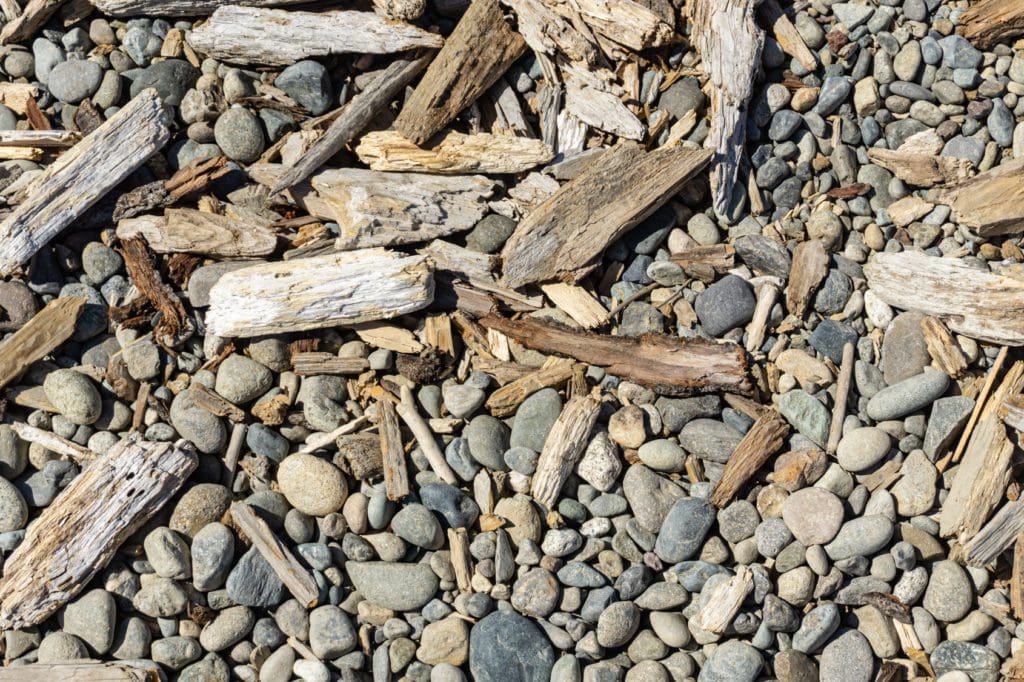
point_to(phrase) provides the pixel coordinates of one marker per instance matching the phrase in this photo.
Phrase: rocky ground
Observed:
(845, 572)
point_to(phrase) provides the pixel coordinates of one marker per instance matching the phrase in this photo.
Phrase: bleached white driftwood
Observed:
(386, 209)
(44, 139)
(593, 98)
(186, 230)
(454, 153)
(623, 21)
(177, 8)
(81, 176)
(323, 291)
(251, 35)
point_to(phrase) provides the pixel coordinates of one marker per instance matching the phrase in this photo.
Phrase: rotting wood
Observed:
(762, 441)
(918, 162)
(31, 19)
(214, 403)
(806, 273)
(453, 154)
(982, 305)
(476, 54)
(251, 35)
(724, 603)
(76, 536)
(81, 176)
(174, 323)
(406, 409)
(79, 671)
(186, 230)
(576, 302)
(942, 347)
(462, 562)
(835, 430)
(561, 237)
(786, 35)
(313, 362)
(504, 401)
(292, 573)
(563, 448)
(359, 454)
(1017, 579)
(996, 536)
(987, 22)
(374, 208)
(51, 441)
(323, 291)
(990, 203)
(353, 119)
(177, 8)
(50, 327)
(668, 365)
(396, 474)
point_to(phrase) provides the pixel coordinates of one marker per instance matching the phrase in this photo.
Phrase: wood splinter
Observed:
(295, 577)
(762, 441)
(396, 474)
(563, 448)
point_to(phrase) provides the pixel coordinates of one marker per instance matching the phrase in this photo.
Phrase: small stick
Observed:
(396, 476)
(320, 440)
(767, 294)
(1017, 579)
(231, 455)
(55, 443)
(295, 577)
(139, 408)
(762, 441)
(216, 404)
(406, 409)
(618, 308)
(835, 431)
(460, 559)
(990, 381)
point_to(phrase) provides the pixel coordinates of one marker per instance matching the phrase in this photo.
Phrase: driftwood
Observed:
(767, 294)
(354, 117)
(45, 139)
(595, 99)
(400, 10)
(563, 448)
(388, 336)
(292, 573)
(669, 365)
(730, 42)
(990, 203)
(50, 327)
(576, 302)
(177, 8)
(980, 403)
(16, 96)
(806, 273)
(982, 305)
(942, 347)
(396, 474)
(312, 362)
(917, 161)
(406, 409)
(81, 176)
(786, 34)
(476, 54)
(504, 401)
(987, 22)
(214, 403)
(724, 603)
(51, 441)
(186, 230)
(1017, 578)
(561, 237)
(455, 153)
(835, 429)
(31, 19)
(1012, 412)
(762, 441)
(174, 324)
(76, 536)
(359, 454)
(79, 671)
(388, 209)
(250, 35)
(997, 535)
(461, 559)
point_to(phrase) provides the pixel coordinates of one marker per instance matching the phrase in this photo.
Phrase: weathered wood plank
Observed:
(396, 474)
(990, 203)
(186, 230)
(80, 671)
(81, 176)
(177, 8)
(454, 153)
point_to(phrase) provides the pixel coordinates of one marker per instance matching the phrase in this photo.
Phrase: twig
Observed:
(231, 455)
(835, 431)
(406, 409)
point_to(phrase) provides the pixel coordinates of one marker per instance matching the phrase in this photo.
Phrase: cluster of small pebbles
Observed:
(604, 585)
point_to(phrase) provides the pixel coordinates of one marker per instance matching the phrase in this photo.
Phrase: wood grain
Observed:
(762, 441)
(563, 448)
(453, 153)
(186, 230)
(293, 574)
(50, 327)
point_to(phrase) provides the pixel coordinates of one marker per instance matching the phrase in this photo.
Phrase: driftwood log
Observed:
(76, 536)
(669, 365)
(323, 291)
(50, 327)
(454, 153)
(560, 238)
(251, 35)
(177, 8)
(987, 22)
(186, 230)
(79, 671)
(81, 176)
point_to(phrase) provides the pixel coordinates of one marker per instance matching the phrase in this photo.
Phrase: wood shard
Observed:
(919, 168)
(762, 441)
(292, 573)
(50, 327)
(806, 273)
(1017, 578)
(725, 602)
(214, 403)
(942, 347)
(504, 401)
(990, 203)
(786, 34)
(76, 536)
(668, 365)
(563, 448)
(987, 22)
(31, 19)
(318, 292)
(561, 237)
(979, 304)
(186, 230)
(396, 474)
(177, 8)
(996, 536)
(84, 671)
(250, 35)
(453, 153)
(476, 54)
(312, 362)
(81, 176)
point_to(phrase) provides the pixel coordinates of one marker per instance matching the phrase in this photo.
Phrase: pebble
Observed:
(949, 595)
(13, 508)
(331, 634)
(308, 84)
(241, 380)
(662, 455)
(806, 414)
(418, 526)
(397, 586)
(312, 485)
(908, 396)
(91, 618)
(617, 624)
(74, 80)
(682, 532)
(945, 422)
(725, 305)
(847, 658)
(171, 78)
(239, 135)
(205, 430)
(534, 419)
(813, 515)
(862, 448)
(74, 395)
(860, 537)
(979, 662)
(732, 661)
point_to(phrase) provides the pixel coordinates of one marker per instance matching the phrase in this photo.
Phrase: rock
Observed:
(171, 79)
(817, 626)
(829, 337)
(490, 234)
(462, 400)
(650, 496)
(312, 485)
(18, 304)
(74, 395)
(60, 647)
(949, 596)
(682, 97)
(534, 419)
(201, 504)
(227, 628)
(506, 647)
(732, 661)
(852, 15)
(725, 305)
(536, 593)
(206, 431)
(904, 352)
(13, 508)
(806, 414)
(684, 529)
(397, 586)
(861, 536)
(213, 548)
(813, 515)
(458, 509)
(908, 396)
(915, 491)
(662, 455)
(617, 624)
(862, 448)
(709, 439)
(307, 83)
(331, 634)
(444, 642)
(981, 663)
(239, 135)
(763, 254)
(160, 598)
(241, 380)
(600, 465)
(74, 80)
(835, 89)
(947, 419)
(252, 582)
(142, 359)
(91, 618)
(417, 525)
(168, 554)
(794, 666)
(848, 658)
(488, 440)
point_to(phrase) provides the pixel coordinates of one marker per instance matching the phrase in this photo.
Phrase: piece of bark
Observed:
(388, 336)
(561, 238)
(437, 333)
(50, 327)
(305, 364)
(504, 401)
(406, 409)
(919, 168)
(79, 671)
(214, 403)
(400, 10)
(476, 54)
(453, 153)
(292, 573)
(982, 305)
(462, 562)
(174, 323)
(396, 475)
(250, 35)
(1017, 579)
(762, 441)
(195, 177)
(786, 35)
(724, 603)
(361, 455)
(388, 209)
(996, 536)
(177, 8)
(706, 262)
(987, 22)
(729, 40)
(186, 230)
(563, 448)
(576, 302)
(32, 17)
(51, 441)
(313, 293)
(76, 536)
(81, 176)
(353, 119)
(990, 203)
(45, 139)
(942, 347)
(981, 479)
(806, 273)
(668, 365)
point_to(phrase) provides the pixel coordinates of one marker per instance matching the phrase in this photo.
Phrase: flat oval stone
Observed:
(401, 587)
(862, 448)
(908, 396)
(860, 537)
(506, 647)
(813, 515)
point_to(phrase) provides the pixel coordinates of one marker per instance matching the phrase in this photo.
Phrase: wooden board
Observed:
(50, 327)
(77, 535)
(186, 230)
(177, 8)
(454, 153)
(560, 238)
(251, 35)
(83, 175)
(318, 292)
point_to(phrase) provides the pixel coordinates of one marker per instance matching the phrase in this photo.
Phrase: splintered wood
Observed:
(50, 327)
(453, 153)
(76, 536)
(177, 8)
(563, 448)
(293, 574)
(86, 671)
(396, 475)
(990, 203)
(560, 238)
(186, 230)
(81, 176)
(322, 291)
(762, 441)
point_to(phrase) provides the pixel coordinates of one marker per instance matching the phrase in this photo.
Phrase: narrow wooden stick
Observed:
(1017, 579)
(462, 563)
(835, 431)
(396, 476)
(295, 577)
(231, 455)
(53, 442)
(979, 404)
(406, 409)
(320, 440)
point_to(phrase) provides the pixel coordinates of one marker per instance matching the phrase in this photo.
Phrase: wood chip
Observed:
(31, 19)
(186, 230)
(504, 401)
(563, 448)
(762, 441)
(724, 603)
(292, 573)
(806, 273)
(990, 203)
(942, 347)
(996, 536)
(396, 475)
(50, 327)
(453, 153)
(214, 403)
